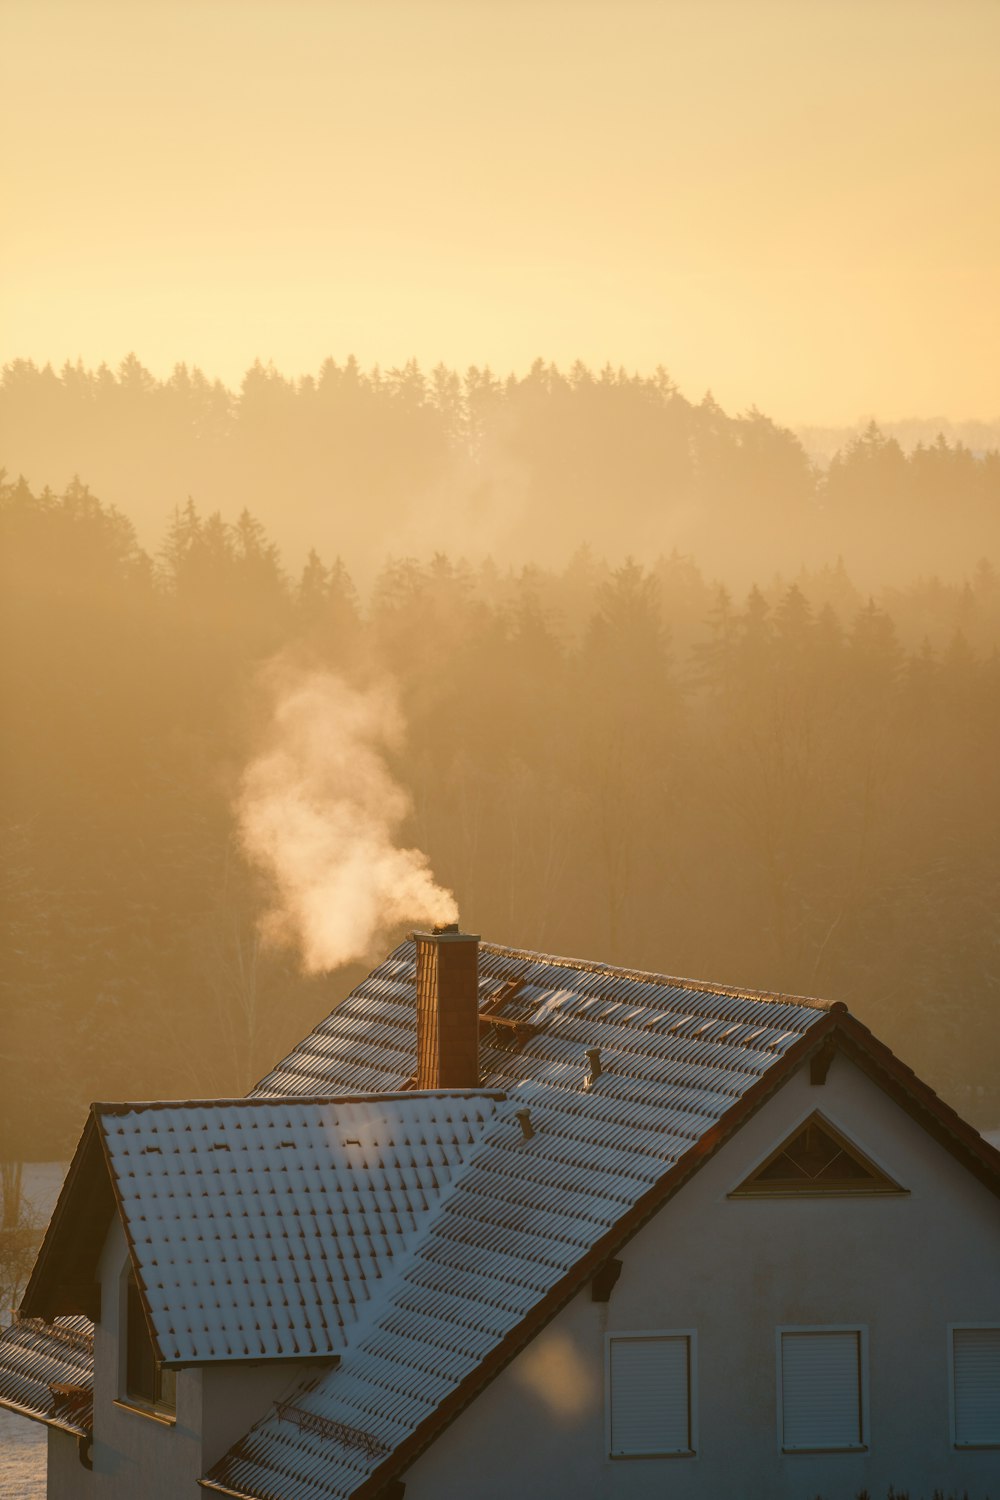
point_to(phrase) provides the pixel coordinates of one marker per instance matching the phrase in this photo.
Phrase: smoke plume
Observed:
(318, 813)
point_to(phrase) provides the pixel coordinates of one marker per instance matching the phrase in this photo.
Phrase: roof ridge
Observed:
(699, 986)
(256, 1101)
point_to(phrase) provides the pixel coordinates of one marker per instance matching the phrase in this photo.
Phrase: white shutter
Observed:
(977, 1386)
(821, 1389)
(650, 1395)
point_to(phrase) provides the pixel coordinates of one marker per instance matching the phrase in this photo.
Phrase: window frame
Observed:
(953, 1328)
(161, 1408)
(861, 1330)
(658, 1334)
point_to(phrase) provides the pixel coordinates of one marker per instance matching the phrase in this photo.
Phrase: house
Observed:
(513, 1224)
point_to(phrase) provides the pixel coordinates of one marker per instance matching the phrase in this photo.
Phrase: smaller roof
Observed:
(37, 1356)
(257, 1228)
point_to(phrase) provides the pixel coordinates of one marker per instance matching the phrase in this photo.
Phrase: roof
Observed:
(258, 1227)
(525, 1217)
(38, 1355)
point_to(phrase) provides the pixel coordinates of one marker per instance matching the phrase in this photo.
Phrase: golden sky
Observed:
(794, 202)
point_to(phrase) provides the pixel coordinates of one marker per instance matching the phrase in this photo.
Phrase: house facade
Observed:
(507, 1223)
(853, 1299)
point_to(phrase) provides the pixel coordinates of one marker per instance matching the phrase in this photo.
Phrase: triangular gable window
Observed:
(816, 1162)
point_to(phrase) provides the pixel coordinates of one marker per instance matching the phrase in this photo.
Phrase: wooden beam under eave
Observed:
(819, 1063)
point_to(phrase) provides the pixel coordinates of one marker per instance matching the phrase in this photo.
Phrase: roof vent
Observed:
(594, 1066)
(523, 1118)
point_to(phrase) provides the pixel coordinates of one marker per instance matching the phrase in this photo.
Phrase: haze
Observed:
(369, 538)
(792, 204)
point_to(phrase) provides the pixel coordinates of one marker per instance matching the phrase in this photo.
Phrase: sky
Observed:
(794, 203)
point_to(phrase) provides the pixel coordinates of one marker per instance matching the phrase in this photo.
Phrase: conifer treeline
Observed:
(795, 789)
(363, 463)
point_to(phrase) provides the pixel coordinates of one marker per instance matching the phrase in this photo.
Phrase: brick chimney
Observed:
(447, 1008)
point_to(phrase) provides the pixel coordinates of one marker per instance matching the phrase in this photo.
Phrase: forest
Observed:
(789, 785)
(364, 464)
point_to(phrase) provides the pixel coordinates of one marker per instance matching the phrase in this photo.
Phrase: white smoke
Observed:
(318, 811)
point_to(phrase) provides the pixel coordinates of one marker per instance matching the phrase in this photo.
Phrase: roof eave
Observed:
(46, 1421)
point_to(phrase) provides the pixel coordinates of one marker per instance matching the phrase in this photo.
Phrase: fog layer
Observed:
(792, 787)
(364, 464)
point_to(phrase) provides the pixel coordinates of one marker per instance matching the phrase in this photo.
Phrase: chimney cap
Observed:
(446, 932)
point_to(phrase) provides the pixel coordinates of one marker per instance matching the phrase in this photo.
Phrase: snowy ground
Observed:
(22, 1458)
(23, 1443)
(40, 1186)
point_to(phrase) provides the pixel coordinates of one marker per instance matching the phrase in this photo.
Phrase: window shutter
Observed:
(821, 1390)
(650, 1395)
(977, 1386)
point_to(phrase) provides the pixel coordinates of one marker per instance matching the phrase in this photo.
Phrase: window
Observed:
(650, 1380)
(147, 1381)
(816, 1162)
(975, 1386)
(821, 1389)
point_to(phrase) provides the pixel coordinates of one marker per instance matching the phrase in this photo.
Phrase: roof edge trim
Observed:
(330, 1361)
(920, 1101)
(266, 1101)
(221, 1489)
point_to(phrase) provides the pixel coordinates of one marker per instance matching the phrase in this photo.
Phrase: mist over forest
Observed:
(524, 469)
(675, 698)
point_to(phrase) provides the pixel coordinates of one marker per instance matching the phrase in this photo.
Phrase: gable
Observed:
(64, 1279)
(816, 1161)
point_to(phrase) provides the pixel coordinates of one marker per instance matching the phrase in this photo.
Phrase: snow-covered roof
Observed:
(259, 1227)
(525, 1213)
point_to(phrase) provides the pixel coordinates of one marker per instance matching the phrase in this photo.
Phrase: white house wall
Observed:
(736, 1270)
(66, 1477)
(234, 1396)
